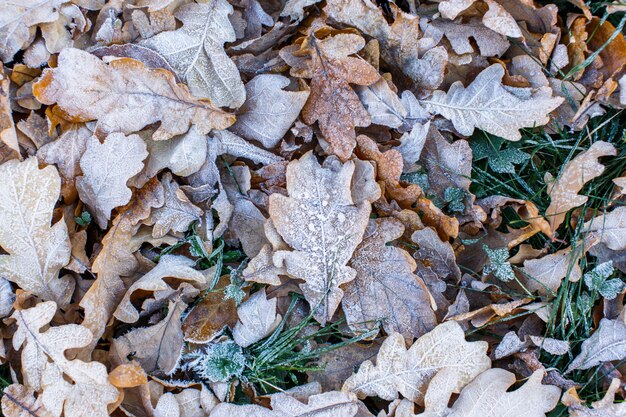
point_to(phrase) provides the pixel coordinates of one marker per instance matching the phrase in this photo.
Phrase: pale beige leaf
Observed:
(225, 142)
(36, 250)
(607, 343)
(436, 254)
(563, 190)
(6, 298)
(65, 152)
(411, 146)
(386, 287)
(196, 52)
(460, 36)
(106, 168)
(323, 226)
(408, 372)
(20, 401)
(8, 135)
(72, 387)
(383, 105)
(610, 228)
(450, 9)
(488, 396)
(269, 111)
(176, 214)
(500, 21)
(487, 105)
(183, 155)
(261, 268)
(295, 8)
(174, 268)
(546, 273)
(605, 407)
(328, 404)
(167, 406)
(124, 96)
(157, 347)
(257, 319)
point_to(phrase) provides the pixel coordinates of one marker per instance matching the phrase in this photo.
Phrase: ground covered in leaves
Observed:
(339, 208)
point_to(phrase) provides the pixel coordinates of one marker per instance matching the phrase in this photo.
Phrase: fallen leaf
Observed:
(106, 169)
(124, 96)
(546, 273)
(196, 52)
(487, 105)
(563, 190)
(19, 401)
(36, 251)
(500, 21)
(607, 343)
(128, 375)
(609, 228)
(603, 407)
(443, 351)
(332, 102)
(72, 387)
(269, 111)
(436, 254)
(257, 319)
(386, 287)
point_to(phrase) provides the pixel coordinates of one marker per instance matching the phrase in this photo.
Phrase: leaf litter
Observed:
(325, 208)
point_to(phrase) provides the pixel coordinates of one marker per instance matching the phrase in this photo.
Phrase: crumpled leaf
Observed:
(320, 222)
(196, 52)
(563, 190)
(328, 404)
(437, 254)
(106, 168)
(72, 387)
(170, 267)
(382, 104)
(489, 42)
(36, 250)
(269, 111)
(8, 135)
(442, 353)
(332, 102)
(605, 407)
(177, 212)
(124, 96)
(257, 319)
(157, 347)
(386, 286)
(610, 228)
(487, 105)
(607, 343)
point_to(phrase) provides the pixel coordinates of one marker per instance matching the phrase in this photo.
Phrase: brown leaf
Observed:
(124, 96)
(332, 102)
(128, 375)
(19, 401)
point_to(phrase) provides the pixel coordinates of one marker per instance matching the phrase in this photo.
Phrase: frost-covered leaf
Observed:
(36, 251)
(322, 225)
(605, 407)
(171, 268)
(383, 104)
(269, 111)
(196, 52)
(386, 287)
(19, 401)
(257, 319)
(72, 387)
(598, 280)
(157, 347)
(442, 353)
(218, 362)
(106, 168)
(609, 228)
(487, 105)
(124, 96)
(607, 343)
(328, 404)
(500, 160)
(332, 102)
(548, 271)
(6, 298)
(563, 190)
(499, 265)
(177, 212)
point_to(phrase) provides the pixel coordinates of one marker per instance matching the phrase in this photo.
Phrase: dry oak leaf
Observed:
(20, 20)
(116, 260)
(386, 287)
(610, 228)
(320, 222)
(563, 190)
(8, 135)
(546, 273)
(65, 152)
(607, 343)
(36, 250)
(383, 104)
(436, 254)
(257, 319)
(170, 269)
(328, 404)
(488, 395)
(442, 353)
(69, 387)
(177, 212)
(269, 111)
(128, 375)
(196, 52)
(20, 401)
(332, 102)
(106, 168)
(124, 96)
(158, 347)
(606, 407)
(487, 105)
